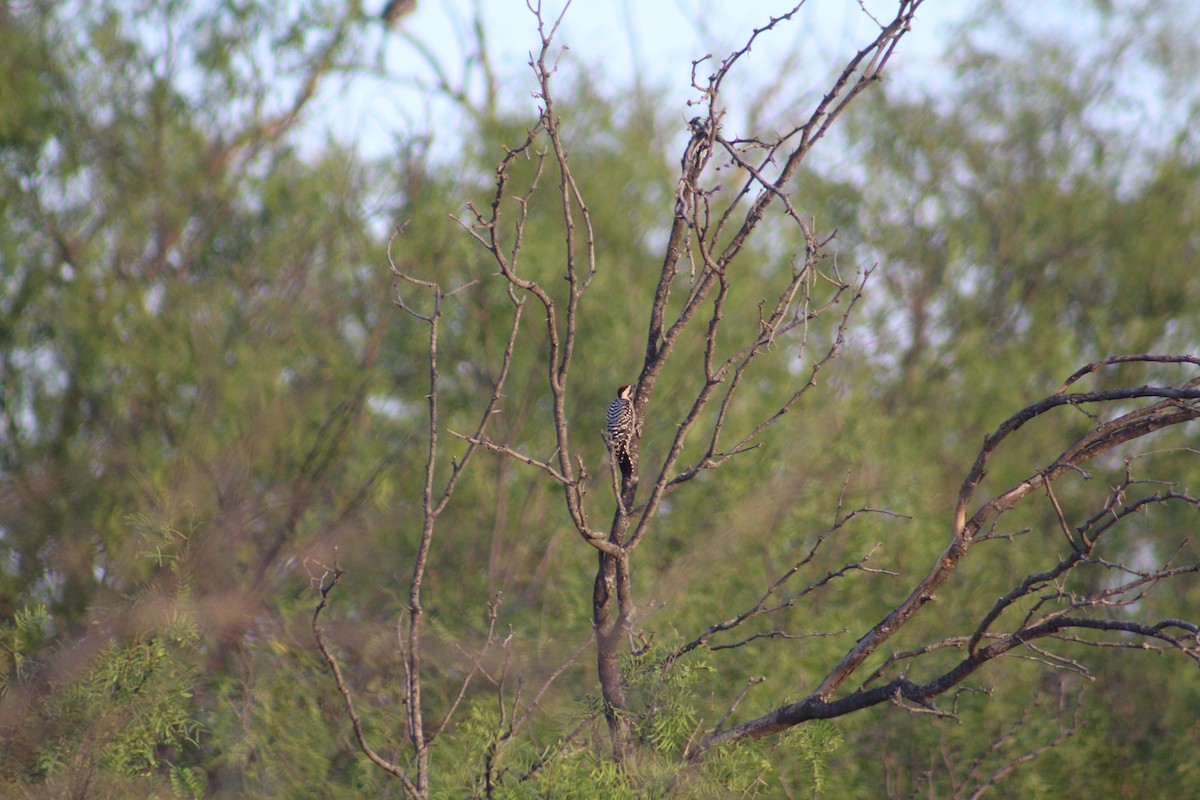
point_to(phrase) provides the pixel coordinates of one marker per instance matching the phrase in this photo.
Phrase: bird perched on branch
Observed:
(619, 427)
(396, 9)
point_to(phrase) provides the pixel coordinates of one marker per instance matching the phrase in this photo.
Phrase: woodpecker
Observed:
(619, 427)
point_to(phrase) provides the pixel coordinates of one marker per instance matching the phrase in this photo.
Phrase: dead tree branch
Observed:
(326, 585)
(1057, 614)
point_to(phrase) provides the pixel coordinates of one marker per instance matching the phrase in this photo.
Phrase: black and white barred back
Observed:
(619, 422)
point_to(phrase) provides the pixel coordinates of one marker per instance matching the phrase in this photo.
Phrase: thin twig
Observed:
(326, 586)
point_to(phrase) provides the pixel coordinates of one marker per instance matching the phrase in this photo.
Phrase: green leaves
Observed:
(118, 720)
(815, 743)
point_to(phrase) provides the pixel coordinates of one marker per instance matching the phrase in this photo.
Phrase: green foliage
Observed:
(813, 744)
(187, 781)
(119, 720)
(22, 637)
(661, 699)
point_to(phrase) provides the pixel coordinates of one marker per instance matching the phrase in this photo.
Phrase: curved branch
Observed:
(1101, 439)
(813, 707)
(348, 699)
(1171, 406)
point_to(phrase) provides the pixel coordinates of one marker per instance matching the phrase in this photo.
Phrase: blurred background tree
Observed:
(207, 396)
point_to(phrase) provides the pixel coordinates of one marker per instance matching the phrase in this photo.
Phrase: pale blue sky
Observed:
(617, 39)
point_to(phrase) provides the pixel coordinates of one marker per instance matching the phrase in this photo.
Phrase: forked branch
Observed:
(1053, 611)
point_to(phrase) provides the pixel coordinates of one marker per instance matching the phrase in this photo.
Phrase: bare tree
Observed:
(811, 309)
